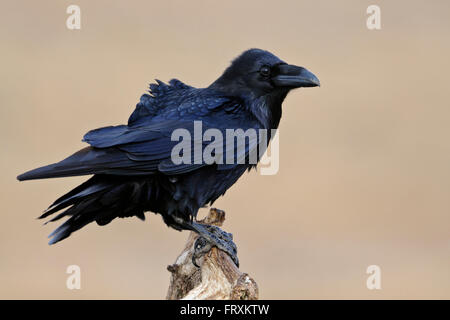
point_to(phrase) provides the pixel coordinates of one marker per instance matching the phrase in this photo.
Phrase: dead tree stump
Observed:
(217, 278)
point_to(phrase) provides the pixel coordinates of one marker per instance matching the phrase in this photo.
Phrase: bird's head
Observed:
(257, 73)
(263, 80)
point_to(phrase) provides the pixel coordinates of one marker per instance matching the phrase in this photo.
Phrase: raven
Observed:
(132, 165)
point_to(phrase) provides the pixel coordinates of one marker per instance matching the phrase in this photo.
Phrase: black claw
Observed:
(194, 262)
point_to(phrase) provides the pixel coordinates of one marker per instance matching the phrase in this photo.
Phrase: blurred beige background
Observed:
(364, 176)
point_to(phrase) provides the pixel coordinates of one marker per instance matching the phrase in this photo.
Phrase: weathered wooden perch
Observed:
(217, 278)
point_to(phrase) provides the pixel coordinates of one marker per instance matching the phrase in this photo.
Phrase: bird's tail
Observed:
(102, 198)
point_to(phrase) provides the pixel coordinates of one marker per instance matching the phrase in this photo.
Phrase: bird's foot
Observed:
(212, 236)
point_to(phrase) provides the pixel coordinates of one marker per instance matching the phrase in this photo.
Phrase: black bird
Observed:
(133, 171)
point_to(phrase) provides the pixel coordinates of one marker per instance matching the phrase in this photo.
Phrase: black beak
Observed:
(294, 77)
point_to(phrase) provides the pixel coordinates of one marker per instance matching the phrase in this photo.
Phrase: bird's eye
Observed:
(265, 71)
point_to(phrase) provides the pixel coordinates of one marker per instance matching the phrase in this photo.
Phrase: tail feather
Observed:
(91, 186)
(60, 233)
(101, 199)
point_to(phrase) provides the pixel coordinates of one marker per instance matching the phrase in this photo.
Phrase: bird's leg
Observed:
(210, 236)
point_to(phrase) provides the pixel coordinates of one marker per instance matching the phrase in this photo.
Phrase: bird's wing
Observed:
(151, 146)
(140, 150)
(119, 150)
(145, 147)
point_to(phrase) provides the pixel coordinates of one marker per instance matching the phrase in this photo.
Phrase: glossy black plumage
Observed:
(131, 164)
